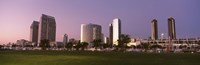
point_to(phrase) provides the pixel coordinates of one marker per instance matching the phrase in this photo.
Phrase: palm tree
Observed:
(123, 41)
(44, 44)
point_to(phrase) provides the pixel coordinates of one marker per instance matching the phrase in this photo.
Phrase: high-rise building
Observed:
(110, 34)
(116, 30)
(102, 38)
(97, 32)
(90, 32)
(47, 28)
(106, 40)
(154, 29)
(171, 28)
(34, 32)
(65, 39)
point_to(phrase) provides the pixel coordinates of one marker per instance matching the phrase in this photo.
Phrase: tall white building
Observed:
(106, 40)
(89, 32)
(116, 30)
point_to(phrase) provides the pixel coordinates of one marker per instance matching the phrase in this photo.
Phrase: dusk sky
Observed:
(16, 16)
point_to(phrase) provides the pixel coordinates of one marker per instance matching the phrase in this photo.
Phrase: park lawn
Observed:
(95, 58)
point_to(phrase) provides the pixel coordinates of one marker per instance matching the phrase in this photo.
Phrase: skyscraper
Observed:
(34, 31)
(65, 39)
(116, 30)
(90, 32)
(154, 29)
(47, 28)
(102, 38)
(106, 40)
(97, 32)
(110, 34)
(171, 28)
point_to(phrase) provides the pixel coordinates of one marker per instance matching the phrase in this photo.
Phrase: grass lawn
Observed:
(95, 58)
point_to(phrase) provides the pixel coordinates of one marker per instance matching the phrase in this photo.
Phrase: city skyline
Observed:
(16, 17)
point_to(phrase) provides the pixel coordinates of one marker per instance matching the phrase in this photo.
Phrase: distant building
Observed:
(110, 34)
(102, 38)
(89, 32)
(34, 32)
(65, 39)
(59, 44)
(97, 32)
(47, 28)
(106, 40)
(134, 42)
(154, 30)
(116, 30)
(24, 43)
(171, 28)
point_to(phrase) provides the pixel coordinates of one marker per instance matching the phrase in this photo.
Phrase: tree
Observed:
(139, 46)
(14, 45)
(146, 46)
(156, 46)
(69, 45)
(198, 42)
(28, 46)
(72, 43)
(96, 43)
(44, 44)
(123, 41)
(81, 45)
(78, 45)
(1, 46)
(84, 45)
(105, 45)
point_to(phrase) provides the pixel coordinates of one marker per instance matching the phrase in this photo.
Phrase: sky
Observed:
(16, 16)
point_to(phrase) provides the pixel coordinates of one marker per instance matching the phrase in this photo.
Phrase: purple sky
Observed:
(16, 16)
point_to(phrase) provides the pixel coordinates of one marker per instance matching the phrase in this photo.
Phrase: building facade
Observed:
(110, 34)
(34, 32)
(65, 39)
(154, 30)
(171, 28)
(116, 30)
(47, 28)
(24, 43)
(90, 32)
(106, 40)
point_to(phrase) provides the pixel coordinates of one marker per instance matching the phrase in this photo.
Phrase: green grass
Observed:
(95, 58)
